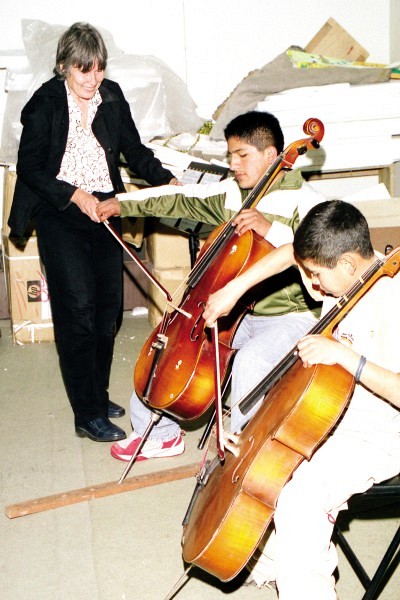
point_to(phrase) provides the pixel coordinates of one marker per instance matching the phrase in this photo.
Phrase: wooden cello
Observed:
(234, 503)
(174, 371)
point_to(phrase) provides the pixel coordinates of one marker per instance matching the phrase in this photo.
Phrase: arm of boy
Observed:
(318, 349)
(108, 208)
(251, 219)
(222, 301)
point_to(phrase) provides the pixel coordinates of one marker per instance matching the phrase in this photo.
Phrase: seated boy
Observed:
(332, 244)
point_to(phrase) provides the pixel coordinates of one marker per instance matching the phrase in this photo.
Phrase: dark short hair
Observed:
(260, 129)
(329, 230)
(81, 46)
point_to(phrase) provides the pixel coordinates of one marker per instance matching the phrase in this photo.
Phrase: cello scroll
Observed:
(312, 127)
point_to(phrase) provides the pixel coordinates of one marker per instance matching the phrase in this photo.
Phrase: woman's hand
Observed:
(175, 181)
(108, 208)
(86, 204)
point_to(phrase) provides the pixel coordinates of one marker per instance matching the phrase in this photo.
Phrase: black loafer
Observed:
(100, 430)
(114, 410)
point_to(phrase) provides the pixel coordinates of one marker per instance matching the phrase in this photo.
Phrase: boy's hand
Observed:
(251, 218)
(319, 350)
(108, 208)
(221, 302)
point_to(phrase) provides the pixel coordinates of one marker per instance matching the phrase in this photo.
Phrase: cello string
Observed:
(176, 298)
(252, 200)
(227, 231)
(250, 399)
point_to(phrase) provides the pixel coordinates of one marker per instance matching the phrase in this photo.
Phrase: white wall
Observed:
(213, 44)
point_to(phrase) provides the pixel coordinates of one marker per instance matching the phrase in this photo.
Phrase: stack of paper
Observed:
(362, 123)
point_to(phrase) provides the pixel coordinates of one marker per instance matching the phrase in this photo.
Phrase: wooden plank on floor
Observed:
(99, 491)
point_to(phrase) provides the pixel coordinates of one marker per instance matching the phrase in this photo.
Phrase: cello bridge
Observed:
(162, 341)
(230, 442)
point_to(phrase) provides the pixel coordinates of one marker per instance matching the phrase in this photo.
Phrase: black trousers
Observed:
(83, 265)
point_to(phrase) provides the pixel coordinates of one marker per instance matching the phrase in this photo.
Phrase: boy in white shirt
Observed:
(332, 245)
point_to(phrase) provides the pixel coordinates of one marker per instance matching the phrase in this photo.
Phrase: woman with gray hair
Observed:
(75, 127)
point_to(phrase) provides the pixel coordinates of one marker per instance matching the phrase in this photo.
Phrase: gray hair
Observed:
(81, 46)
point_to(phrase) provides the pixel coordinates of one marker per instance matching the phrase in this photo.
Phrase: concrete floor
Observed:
(120, 547)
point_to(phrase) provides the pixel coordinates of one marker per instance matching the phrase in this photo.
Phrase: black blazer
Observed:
(44, 136)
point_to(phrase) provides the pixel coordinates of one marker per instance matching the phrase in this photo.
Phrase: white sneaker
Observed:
(125, 449)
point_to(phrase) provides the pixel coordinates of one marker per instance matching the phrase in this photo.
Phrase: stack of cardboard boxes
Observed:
(27, 294)
(168, 251)
(383, 217)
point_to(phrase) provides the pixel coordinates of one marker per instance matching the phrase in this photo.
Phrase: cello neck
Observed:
(285, 160)
(228, 230)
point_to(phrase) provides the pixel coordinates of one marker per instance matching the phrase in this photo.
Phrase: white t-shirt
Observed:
(372, 328)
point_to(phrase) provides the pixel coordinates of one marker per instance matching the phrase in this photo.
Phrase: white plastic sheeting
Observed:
(160, 103)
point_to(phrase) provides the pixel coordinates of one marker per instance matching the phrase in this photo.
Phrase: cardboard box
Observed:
(171, 280)
(133, 231)
(133, 228)
(334, 41)
(136, 284)
(383, 217)
(10, 178)
(27, 293)
(168, 248)
(4, 313)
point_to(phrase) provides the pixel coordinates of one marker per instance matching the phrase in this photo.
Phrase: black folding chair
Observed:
(378, 497)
